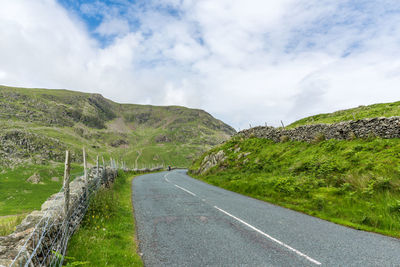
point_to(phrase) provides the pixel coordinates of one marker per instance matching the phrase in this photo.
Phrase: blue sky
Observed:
(91, 20)
(245, 62)
(94, 12)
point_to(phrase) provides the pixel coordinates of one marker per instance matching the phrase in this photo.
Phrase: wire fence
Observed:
(47, 244)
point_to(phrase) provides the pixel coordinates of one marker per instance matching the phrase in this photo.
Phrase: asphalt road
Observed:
(185, 222)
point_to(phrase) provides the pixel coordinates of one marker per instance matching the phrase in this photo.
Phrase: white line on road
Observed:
(270, 237)
(166, 179)
(187, 191)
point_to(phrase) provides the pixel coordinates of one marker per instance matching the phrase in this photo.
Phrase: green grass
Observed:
(362, 112)
(8, 223)
(355, 183)
(19, 196)
(107, 234)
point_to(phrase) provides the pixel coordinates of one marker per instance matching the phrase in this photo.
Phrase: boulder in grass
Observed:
(34, 179)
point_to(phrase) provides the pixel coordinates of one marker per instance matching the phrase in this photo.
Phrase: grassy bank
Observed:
(358, 113)
(19, 195)
(106, 235)
(355, 183)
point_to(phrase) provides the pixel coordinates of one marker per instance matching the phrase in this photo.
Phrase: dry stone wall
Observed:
(379, 127)
(51, 213)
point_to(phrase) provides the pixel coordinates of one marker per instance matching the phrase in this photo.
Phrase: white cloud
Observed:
(41, 45)
(113, 26)
(245, 62)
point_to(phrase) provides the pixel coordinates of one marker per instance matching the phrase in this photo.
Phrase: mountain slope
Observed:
(38, 125)
(74, 119)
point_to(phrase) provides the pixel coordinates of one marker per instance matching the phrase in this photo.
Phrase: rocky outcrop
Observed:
(17, 146)
(211, 161)
(119, 142)
(375, 127)
(162, 139)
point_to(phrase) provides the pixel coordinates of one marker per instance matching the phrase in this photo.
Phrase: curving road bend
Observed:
(185, 222)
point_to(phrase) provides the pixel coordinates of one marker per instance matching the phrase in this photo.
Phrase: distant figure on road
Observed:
(169, 167)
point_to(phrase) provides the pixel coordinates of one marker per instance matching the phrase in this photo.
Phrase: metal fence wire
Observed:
(47, 244)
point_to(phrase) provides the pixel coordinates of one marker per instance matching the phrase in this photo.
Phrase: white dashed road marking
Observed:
(187, 191)
(166, 179)
(184, 189)
(270, 237)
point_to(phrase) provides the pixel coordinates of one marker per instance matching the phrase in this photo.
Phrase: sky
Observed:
(252, 62)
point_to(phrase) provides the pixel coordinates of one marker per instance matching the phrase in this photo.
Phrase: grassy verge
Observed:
(106, 236)
(8, 223)
(354, 183)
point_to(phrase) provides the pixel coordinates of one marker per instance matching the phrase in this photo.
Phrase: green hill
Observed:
(38, 125)
(63, 119)
(353, 182)
(361, 112)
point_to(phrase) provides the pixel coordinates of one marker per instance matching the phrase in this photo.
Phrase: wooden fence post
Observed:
(66, 183)
(97, 167)
(104, 175)
(85, 173)
(84, 164)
